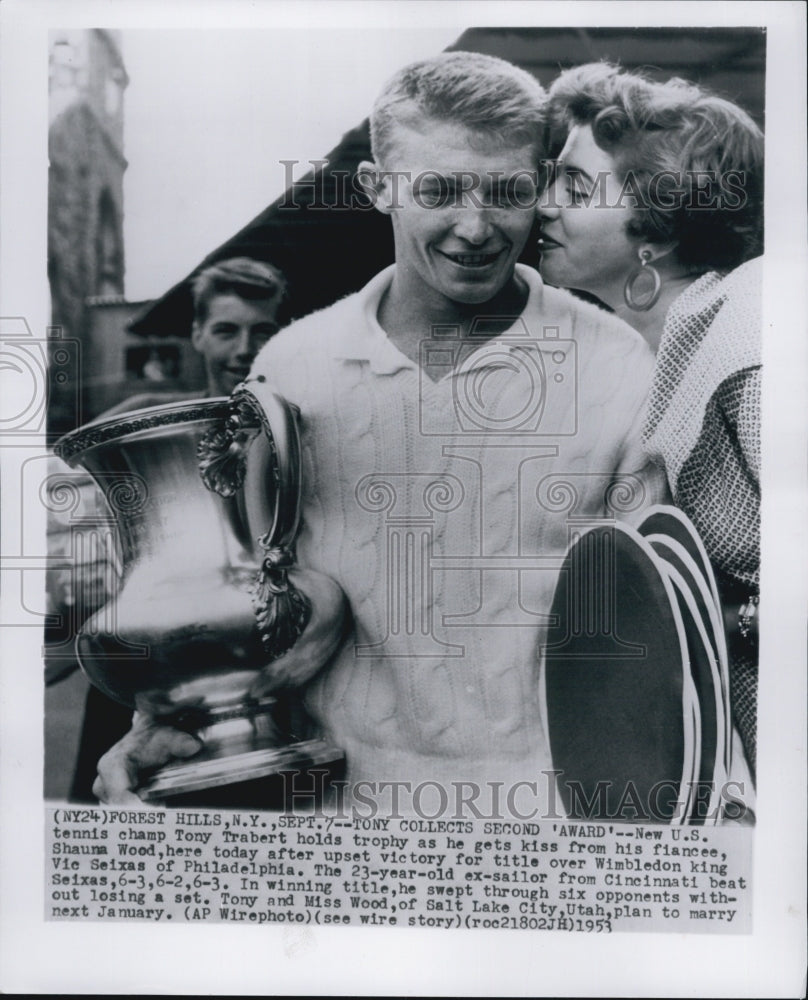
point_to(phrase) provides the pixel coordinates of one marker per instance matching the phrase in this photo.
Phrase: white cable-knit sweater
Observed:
(442, 507)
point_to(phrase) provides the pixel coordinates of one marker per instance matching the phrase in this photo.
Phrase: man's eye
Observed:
(514, 196)
(264, 331)
(434, 193)
(433, 196)
(223, 330)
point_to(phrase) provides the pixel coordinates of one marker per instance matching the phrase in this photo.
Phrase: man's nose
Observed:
(245, 348)
(473, 224)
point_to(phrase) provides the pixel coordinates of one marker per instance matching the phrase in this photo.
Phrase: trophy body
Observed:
(205, 496)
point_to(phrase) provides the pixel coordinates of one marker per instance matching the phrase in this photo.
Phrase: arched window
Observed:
(108, 249)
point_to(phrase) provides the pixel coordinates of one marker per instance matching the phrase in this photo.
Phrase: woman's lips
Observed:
(547, 243)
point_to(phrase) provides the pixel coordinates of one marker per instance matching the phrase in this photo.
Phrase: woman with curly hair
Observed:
(656, 208)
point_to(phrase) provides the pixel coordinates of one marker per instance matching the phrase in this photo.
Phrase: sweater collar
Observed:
(369, 343)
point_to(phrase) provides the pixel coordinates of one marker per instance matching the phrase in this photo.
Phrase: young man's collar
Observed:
(372, 345)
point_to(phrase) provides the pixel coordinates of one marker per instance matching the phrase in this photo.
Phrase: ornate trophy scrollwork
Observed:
(281, 610)
(210, 594)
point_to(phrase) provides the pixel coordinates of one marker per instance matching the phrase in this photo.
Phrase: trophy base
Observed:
(269, 778)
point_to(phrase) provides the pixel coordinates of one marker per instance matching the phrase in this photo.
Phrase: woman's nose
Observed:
(548, 205)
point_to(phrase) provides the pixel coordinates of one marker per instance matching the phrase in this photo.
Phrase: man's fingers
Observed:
(162, 744)
(146, 745)
(117, 777)
(122, 797)
(266, 684)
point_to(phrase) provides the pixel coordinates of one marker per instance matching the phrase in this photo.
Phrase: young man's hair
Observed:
(249, 279)
(482, 93)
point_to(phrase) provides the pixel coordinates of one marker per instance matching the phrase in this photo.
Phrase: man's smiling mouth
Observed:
(472, 259)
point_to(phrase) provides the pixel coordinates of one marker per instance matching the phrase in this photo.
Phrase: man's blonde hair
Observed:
(482, 93)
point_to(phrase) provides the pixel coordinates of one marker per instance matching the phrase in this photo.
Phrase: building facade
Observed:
(87, 80)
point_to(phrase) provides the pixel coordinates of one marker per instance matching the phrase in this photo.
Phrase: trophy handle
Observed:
(260, 470)
(271, 495)
(272, 478)
(255, 457)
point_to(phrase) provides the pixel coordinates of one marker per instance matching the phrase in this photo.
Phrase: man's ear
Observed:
(375, 184)
(196, 335)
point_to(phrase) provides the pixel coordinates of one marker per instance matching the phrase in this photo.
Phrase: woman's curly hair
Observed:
(697, 159)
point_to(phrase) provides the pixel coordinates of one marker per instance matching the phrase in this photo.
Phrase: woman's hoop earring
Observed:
(650, 299)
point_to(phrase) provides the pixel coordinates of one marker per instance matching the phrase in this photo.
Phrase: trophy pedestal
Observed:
(253, 755)
(269, 777)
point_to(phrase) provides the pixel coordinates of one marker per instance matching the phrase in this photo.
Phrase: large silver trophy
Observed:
(206, 506)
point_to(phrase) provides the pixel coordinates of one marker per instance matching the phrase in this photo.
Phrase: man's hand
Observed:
(324, 632)
(289, 672)
(147, 744)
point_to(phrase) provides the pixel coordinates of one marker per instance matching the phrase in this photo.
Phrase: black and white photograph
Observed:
(404, 498)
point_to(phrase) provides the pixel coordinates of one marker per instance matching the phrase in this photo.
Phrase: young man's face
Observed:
(232, 333)
(463, 216)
